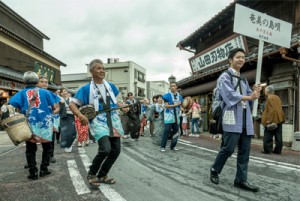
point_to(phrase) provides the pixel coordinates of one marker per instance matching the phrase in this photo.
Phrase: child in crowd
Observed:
(184, 123)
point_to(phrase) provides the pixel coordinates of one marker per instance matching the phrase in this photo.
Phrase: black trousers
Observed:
(57, 136)
(180, 125)
(134, 127)
(108, 152)
(268, 140)
(31, 149)
(53, 144)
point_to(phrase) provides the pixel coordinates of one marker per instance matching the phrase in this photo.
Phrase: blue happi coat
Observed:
(56, 117)
(98, 126)
(169, 115)
(40, 114)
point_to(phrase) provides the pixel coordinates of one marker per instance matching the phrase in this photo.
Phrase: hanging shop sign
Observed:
(45, 71)
(6, 84)
(260, 26)
(217, 53)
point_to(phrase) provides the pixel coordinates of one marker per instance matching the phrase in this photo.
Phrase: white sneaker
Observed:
(175, 149)
(68, 150)
(162, 150)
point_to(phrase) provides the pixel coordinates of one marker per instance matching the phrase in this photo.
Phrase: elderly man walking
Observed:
(38, 105)
(272, 113)
(106, 126)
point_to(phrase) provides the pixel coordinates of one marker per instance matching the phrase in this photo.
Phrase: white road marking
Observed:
(77, 180)
(85, 158)
(6, 145)
(180, 140)
(110, 193)
(255, 159)
(6, 152)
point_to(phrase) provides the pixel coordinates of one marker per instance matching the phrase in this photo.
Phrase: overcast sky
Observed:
(143, 31)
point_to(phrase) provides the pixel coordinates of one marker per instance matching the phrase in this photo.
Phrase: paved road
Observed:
(144, 173)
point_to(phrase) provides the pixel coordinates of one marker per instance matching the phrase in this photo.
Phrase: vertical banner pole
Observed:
(258, 73)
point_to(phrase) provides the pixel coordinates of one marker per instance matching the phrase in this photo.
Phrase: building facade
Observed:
(21, 50)
(280, 66)
(157, 87)
(127, 76)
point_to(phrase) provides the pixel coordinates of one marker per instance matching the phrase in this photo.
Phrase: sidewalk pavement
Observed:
(254, 140)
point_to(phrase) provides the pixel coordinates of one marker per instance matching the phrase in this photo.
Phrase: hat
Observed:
(271, 126)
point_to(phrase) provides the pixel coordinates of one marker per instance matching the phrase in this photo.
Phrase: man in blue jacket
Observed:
(171, 117)
(237, 120)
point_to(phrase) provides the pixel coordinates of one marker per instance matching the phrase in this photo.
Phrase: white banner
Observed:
(209, 58)
(263, 27)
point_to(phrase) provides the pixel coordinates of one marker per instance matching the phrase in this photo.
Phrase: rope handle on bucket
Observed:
(9, 124)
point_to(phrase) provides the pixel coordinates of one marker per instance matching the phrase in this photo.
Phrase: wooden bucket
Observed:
(17, 128)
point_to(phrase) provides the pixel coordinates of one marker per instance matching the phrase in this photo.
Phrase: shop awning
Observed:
(11, 73)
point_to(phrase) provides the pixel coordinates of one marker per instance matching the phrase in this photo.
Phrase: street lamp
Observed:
(172, 78)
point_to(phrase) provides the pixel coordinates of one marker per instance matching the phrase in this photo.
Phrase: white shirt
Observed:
(67, 105)
(102, 91)
(184, 119)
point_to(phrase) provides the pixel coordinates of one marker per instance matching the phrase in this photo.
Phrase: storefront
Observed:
(212, 42)
(21, 48)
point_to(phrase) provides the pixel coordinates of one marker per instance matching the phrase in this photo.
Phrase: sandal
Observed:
(106, 180)
(93, 181)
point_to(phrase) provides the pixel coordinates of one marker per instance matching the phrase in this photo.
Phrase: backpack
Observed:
(218, 104)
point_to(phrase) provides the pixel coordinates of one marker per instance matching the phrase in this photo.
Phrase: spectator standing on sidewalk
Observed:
(237, 120)
(272, 113)
(41, 105)
(184, 124)
(195, 110)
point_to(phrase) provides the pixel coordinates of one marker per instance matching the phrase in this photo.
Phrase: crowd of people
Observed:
(59, 117)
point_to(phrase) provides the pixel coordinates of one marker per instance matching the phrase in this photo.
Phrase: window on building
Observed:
(286, 97)
(122, 88)
(139, 76)
(141, 92)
